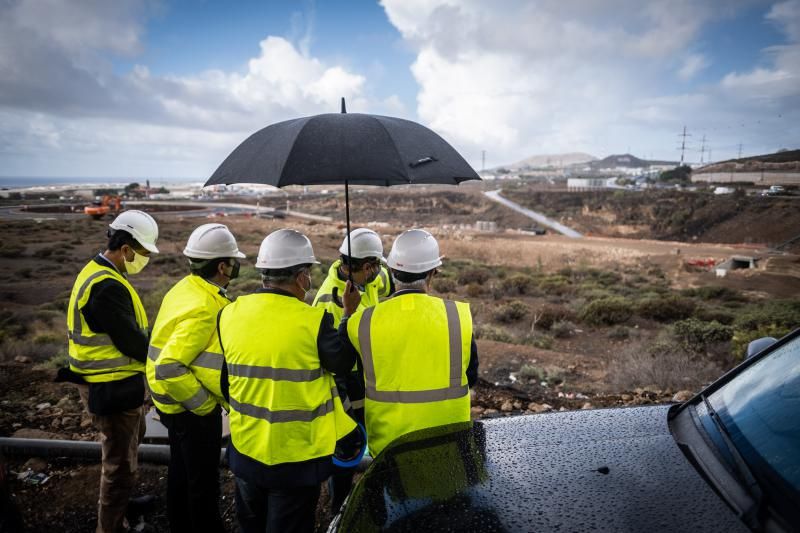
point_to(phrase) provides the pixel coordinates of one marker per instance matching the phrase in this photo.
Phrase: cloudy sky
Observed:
(168, 88)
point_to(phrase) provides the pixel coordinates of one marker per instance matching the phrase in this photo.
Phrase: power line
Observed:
(683, 142)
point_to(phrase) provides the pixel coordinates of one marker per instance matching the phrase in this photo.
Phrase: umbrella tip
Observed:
(344, 109)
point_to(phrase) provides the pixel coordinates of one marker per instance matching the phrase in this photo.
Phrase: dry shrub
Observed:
(563, 329)
(549, 314)
(664, 364)
(607, 311)
(474, 275)
(519, 284)
(513, 311)
(444, 285)
(666, 308)
(493, 333)
(474, 290)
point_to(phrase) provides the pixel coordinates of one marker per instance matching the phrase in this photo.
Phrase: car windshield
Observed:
(759, 409)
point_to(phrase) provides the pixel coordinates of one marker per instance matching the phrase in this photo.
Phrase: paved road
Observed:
(201, 209)
(538, 217)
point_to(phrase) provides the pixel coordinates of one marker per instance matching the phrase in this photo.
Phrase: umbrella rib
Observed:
(396, 151)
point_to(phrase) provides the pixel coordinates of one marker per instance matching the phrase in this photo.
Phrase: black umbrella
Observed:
(348, 148)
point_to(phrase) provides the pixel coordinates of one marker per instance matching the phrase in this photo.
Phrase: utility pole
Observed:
(683, 142)
(740, 150)
(703, 149)
(483, 160)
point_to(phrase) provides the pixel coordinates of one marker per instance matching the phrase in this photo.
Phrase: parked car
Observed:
(727, 460)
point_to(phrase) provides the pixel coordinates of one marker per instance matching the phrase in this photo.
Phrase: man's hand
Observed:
(351, 298)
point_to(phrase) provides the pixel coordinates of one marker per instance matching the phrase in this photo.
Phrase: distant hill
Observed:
(551, 161)
(784, 160)
(626, 161)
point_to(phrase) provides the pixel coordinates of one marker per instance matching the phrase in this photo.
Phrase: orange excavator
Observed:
(99, 209)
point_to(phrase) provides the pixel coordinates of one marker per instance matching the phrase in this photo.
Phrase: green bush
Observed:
(444, 285)
(710, 314)
(11, 250)
(474, 275)
(555, 285)
(549, 314)
(785, 314)
(619, 333)
(519, 284)
(538, 340)
(697, 335)
(666, 308)
(742, 338)
(513, 311)
(714, 292)
(563, 329)
(493, 333)
(607, 311)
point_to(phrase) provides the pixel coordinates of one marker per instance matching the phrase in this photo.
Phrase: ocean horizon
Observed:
(19, 182)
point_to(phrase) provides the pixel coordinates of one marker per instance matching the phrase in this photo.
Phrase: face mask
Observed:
(235, 270)
(138, 263)
(305, 290)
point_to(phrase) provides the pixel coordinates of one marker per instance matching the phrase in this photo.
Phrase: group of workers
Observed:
(307, 387)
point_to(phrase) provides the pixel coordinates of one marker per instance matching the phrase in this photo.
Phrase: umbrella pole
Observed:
(347, 217)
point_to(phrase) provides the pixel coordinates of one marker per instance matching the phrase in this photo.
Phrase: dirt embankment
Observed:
(670, 215)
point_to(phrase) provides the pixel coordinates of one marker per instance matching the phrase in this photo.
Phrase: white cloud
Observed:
(518, 78)
(692, 65)
(62, 98)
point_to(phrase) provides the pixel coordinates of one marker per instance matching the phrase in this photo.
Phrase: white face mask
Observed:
(305, 290)
(138, 263)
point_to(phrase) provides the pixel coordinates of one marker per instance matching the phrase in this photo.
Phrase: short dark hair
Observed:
(409, 277)
(354, 263)
(117, 238)
(206, 268)
(283, 275)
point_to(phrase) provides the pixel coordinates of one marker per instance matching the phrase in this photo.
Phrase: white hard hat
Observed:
(210, 241)
(415, 251)
(285, 248)
(363, 243)
(140, 225)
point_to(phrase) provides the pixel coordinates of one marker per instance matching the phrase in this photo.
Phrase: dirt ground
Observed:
(39, 259)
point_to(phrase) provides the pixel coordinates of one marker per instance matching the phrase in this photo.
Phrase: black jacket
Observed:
(110, 310)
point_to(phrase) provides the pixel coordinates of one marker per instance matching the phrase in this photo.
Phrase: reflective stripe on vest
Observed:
(455, 390)
(184, 361)
(286, 415)
(93, 355)
(101, 339)
(284, 408)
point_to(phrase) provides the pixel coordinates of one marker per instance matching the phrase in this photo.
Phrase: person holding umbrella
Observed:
(418, 351)
(285, 412)
(362, 260)
(184, 377)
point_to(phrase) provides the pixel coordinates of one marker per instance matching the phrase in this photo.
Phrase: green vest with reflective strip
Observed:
(415, 349)
(329, 295)
(284, 406)
(91, 354)
(183, 370)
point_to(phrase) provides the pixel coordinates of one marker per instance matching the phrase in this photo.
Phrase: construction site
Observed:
(597, 299)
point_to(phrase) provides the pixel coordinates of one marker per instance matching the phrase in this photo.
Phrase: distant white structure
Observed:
(585, 184)
(484, 225)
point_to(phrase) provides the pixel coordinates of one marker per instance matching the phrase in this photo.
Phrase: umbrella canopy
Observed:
(344, 148)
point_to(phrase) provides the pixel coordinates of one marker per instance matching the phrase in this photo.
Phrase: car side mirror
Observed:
(759, 344)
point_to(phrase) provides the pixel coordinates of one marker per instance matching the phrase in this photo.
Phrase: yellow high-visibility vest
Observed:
(181, 372)
(329, 295)
(415, 350)
(92, 354)
(284, 406)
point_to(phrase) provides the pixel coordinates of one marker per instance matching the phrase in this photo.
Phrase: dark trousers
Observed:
(193, 474)
(275, 510)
